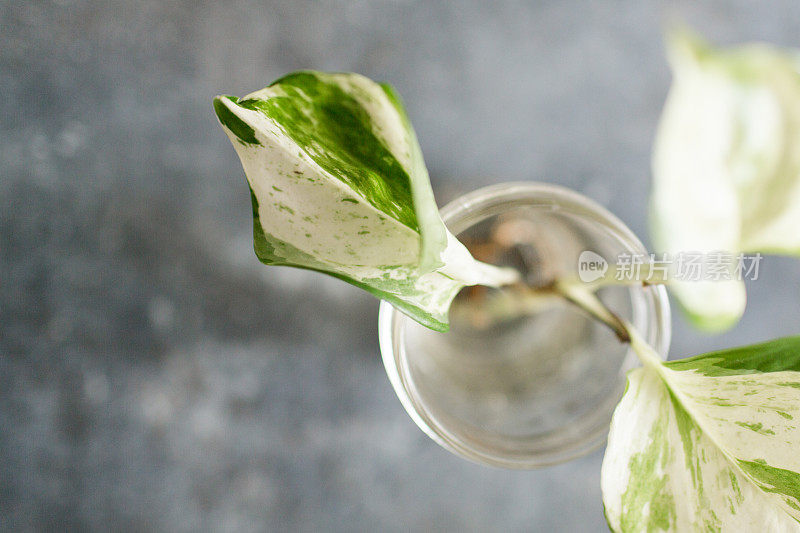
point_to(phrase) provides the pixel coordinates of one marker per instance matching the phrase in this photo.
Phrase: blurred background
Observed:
(155, 376)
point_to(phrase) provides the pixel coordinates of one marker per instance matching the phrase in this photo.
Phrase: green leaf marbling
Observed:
(708, 443)
(339, 185)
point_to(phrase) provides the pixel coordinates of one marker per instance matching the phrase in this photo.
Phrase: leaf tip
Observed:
(223, 107)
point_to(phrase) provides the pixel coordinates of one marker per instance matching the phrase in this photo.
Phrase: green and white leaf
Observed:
(338, 185)
(709, 443)
(726, 164)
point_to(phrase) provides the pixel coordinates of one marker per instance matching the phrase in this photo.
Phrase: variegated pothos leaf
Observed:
(708, 443)
(726, 164)
(338, 185)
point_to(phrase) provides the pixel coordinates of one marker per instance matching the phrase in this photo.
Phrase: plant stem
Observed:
(613, 279)
(519, 299)
(588, 302)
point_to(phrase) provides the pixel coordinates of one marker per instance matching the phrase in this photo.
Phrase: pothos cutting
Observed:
(338, 185)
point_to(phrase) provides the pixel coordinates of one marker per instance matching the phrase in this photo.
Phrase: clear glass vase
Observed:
(532, 390)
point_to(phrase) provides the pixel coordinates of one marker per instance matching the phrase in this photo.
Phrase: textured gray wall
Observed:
(156, 376)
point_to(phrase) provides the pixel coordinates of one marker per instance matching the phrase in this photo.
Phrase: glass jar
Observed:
(532, 390)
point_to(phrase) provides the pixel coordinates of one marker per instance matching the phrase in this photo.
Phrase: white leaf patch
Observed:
(709, 443)
(726, 164)
(339, 185)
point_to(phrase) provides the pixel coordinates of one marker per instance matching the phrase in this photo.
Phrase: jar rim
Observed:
(510, 194)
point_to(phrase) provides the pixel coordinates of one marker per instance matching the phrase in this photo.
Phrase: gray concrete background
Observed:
(155, 376)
